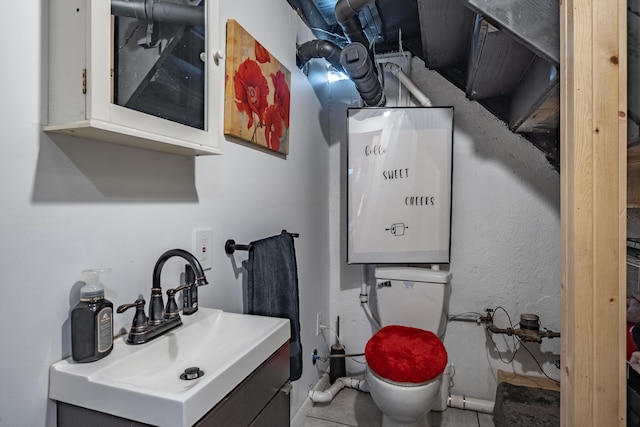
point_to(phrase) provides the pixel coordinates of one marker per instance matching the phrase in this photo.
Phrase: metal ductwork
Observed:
(360, 68)
(347, 12)
(159, 11)
(320, 49)
(355, 58)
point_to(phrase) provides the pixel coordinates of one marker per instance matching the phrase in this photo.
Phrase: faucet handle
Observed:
(171, 311)
(171, 292)
(137, 303)
(139, 323)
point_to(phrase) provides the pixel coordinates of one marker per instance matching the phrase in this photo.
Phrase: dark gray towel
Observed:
(272, 288)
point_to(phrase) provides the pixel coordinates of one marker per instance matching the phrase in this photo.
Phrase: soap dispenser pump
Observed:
(91, 321)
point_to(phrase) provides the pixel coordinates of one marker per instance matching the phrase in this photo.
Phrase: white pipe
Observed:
(369, 314)
(317, 396)
(395, 69)
(470, 403)
(357, 383)
(364, 296)
(364, 300)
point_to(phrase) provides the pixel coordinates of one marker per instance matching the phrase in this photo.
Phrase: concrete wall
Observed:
(74, 204)
(505, 240)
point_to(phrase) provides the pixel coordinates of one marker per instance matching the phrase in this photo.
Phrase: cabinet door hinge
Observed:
(84, 81)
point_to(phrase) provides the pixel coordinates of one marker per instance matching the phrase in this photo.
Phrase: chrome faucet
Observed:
(161, 319)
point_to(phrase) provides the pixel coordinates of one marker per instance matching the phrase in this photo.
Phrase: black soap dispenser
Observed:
(91, 321)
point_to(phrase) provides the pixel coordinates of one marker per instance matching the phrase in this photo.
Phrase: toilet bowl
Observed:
(403, 404)
(406, 357)
(404, 373)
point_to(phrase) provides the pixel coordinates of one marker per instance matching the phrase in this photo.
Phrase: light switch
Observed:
(202, 239)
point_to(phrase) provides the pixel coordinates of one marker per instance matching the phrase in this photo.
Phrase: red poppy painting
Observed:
(257, 95)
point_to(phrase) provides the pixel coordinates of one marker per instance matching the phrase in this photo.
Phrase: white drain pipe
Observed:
(460, 401)
(317, 396)
(364, 303)
(395, 69)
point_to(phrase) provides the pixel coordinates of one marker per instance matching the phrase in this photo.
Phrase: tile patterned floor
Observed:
(353, 408)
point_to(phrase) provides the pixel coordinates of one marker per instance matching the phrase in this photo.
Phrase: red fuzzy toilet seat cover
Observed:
(406, 355)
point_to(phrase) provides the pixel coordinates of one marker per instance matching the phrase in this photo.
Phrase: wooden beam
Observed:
(633, 62)
(593, 211)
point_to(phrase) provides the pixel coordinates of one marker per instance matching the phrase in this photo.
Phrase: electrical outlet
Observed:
(318, 322)
(202, 239)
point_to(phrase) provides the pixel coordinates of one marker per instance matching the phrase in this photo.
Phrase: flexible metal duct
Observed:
(346, 12)
(320, 49)
(357, 63)
(159, 11)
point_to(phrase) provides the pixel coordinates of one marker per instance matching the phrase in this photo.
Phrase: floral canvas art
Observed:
(256, 106)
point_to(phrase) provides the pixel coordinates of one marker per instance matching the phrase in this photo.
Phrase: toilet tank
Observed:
(413, 296)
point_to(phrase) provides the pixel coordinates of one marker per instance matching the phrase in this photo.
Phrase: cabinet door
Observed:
(74, 416)
(276, 413)
(116, 76)
(245, 403)
(159, 66)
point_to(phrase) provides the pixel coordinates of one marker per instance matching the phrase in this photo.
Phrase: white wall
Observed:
(505, 240)
(73, 204)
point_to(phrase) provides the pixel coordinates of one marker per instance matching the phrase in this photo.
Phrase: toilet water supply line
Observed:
(364, 303)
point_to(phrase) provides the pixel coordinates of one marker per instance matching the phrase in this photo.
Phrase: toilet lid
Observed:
(406, 355)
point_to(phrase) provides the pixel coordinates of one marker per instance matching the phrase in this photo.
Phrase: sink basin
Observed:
(142, 382)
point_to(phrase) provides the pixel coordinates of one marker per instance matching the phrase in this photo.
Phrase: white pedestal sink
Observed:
(142, 382)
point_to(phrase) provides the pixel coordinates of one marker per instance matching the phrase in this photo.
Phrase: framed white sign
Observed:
(399, 185)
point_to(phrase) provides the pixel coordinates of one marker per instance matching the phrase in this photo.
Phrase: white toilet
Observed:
(406, 358)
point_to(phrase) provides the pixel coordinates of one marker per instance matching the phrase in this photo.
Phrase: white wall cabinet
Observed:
(116, 75)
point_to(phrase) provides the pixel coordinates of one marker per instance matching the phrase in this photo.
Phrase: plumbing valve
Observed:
(529, 330)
